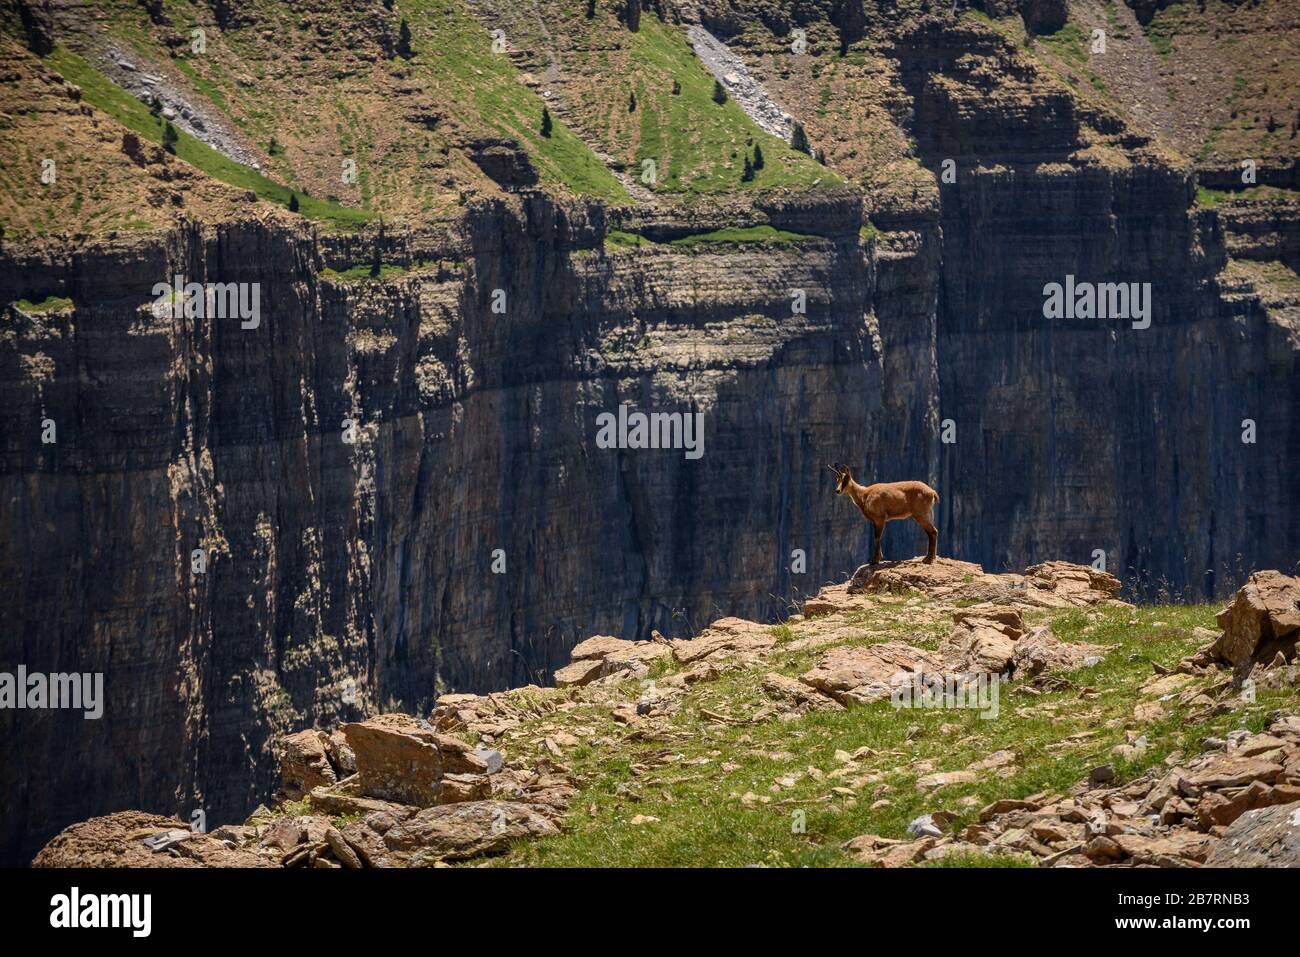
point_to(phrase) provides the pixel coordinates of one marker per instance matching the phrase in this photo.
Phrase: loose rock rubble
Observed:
(731, 71)
(418, 797)
(390, 791)
(1206, 811)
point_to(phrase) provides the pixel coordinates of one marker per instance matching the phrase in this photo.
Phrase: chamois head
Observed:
(842, 478)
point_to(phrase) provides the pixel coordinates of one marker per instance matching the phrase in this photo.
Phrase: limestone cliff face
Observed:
(343, 577)
(1078, 435)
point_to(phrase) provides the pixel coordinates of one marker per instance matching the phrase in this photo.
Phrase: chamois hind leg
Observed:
(877, 558)
(932, 533)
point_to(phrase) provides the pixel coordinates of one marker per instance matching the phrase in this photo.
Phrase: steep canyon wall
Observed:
(344, 577)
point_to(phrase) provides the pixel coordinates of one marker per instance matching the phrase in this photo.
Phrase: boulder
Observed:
(453, 711)
(1229, 770)
(604, 655)
(344, 799)
(1176, 849)
(581, 672)
(1216, 808)
(304, 764)
(633, 660)
(464, 787)
(868, 673)
(1074, 584)
(598, 646)
(340, 755)
(401, 758)
(934, 578)
(797, 693)
(1268, 837)
(981, 645)
(1262, 621)
(1005, 806)
(1001, 616)
(876, 851)
(445, 833)
(309, 841)
(725, 634)
(835, 599)
(1041, 652)
(944, 779)
(117, 840)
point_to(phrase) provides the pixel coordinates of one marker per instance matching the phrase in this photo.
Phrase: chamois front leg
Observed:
(933, 534)
(878, 557)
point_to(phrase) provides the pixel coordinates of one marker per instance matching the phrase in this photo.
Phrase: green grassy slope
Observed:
(723, 780)
(106, 96)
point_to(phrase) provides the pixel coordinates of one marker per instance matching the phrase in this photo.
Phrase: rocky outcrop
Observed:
(118, 840)
(1261, 627)
(1262, 622)
(37, 23)
(449, 833)
(862, 675)
(604, 655)
(1050, 585)
(1263, 232)
(415, 797)
(402, 759)
(304, 764)
(989, 638)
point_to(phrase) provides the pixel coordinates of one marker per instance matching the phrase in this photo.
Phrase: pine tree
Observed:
(404, 41)
(799, 139)
(758, 157)
(169, 137)
(631, 103)
(748, 175)
(591, 9)
(546, 122)
(293, 202)
(719, 93)
(677, 88)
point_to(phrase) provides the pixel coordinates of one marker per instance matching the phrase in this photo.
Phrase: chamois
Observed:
(889, 502)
